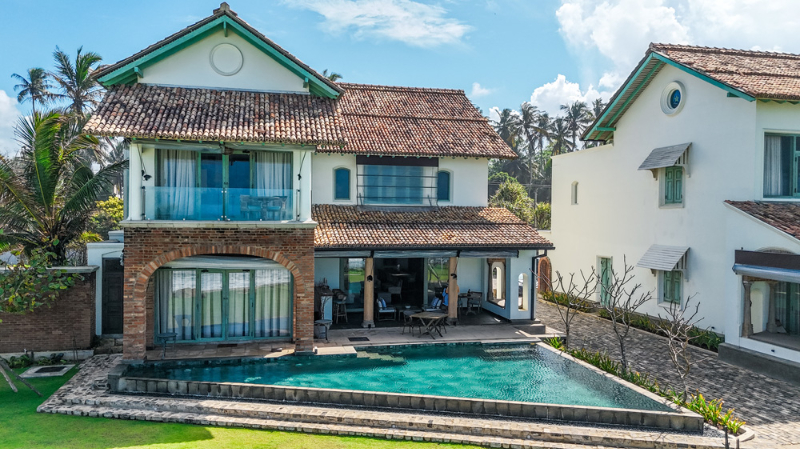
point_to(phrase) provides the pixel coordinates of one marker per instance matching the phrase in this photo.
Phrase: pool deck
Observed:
(339, 341)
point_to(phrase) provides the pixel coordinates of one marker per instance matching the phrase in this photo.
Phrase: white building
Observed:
(698, 185)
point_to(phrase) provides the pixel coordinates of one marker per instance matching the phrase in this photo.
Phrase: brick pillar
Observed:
(134, 315)
(304, 308)
(452, 291)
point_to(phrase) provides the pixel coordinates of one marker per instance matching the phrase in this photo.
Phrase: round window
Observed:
(226, 59)
(672, 98)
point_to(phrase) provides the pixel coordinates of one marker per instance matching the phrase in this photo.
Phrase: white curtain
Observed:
(211, 305)
(238, 304)
(176, 200)
(273, 173)
(773, 173)
(175, 293)
(273, 303)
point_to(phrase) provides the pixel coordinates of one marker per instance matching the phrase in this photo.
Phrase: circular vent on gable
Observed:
(226, 59)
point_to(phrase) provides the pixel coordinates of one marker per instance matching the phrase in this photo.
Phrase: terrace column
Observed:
(134, 188)
(452, 292)
(747, 321)
(772, 327)
(369, 293)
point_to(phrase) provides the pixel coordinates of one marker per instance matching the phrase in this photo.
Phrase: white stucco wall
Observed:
(469, 185)
(618, 211)
(191, 67)
(95, 253)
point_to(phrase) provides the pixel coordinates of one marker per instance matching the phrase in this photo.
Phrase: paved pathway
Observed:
(770, 407)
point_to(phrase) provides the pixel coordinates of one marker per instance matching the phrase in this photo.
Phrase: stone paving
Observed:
(770, 407)
(84, 395)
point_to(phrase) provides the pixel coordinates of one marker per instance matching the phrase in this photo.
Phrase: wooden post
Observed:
(747, 321)
(452, 291)
(369, 293)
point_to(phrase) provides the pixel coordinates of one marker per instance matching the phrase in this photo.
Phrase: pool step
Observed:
(384, 357)
(327, 429)
(383, 424)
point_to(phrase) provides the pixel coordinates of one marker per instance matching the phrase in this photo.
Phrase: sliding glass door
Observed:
(200, 304)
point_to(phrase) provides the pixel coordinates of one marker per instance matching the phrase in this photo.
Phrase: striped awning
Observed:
(664, 157)
(662, 257)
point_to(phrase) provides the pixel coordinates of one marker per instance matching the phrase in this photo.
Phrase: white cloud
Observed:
(9, 115)
(551, 96)
(479, 91)
(406, 21)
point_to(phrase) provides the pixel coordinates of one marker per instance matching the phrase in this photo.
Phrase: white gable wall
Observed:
(618, 211)
(191, 67)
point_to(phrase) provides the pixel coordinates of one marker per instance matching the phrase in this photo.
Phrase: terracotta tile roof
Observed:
(146, 111)
(759, 74)
(783, 216)
(409, 121)
(347, 227)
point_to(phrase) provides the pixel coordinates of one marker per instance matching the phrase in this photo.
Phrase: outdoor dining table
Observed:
(431, 321)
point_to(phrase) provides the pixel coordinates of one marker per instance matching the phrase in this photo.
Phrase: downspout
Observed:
(297, 192)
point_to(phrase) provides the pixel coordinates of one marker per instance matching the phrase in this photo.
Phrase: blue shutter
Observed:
(677, 195)
(669, 185)
(342, 184)
(443, 186)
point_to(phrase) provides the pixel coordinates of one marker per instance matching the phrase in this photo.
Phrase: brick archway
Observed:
(149, 248)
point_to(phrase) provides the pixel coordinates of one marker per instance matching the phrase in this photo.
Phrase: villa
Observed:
(697, 184)
(253, 179)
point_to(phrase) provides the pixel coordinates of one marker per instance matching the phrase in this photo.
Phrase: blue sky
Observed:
(501, 52)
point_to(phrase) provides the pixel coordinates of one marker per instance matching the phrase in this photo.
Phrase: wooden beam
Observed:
(452, 291)
(369, 293)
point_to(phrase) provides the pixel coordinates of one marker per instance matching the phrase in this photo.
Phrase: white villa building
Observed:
(697, 184)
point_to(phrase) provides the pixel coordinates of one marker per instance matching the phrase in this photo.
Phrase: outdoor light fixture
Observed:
(453, 275)
(369, 278)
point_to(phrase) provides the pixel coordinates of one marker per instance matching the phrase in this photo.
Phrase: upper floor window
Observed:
(397, 181)
(673, 185)
(781, 165)
(243, 185)
(341, 184)
(443, 186)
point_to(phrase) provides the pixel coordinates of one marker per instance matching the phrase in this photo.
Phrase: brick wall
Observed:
(52, 329)
(147, 247)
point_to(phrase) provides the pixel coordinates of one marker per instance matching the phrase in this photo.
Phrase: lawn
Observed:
(22, 427)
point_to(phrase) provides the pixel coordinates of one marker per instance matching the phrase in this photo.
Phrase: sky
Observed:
(500, 52)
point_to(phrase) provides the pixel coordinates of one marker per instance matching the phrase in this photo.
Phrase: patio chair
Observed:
(409, 322)
(383, 309)
(474, 302)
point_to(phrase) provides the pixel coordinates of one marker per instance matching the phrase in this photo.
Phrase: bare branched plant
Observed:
(677, 326)
(573, 292)
(621, 298)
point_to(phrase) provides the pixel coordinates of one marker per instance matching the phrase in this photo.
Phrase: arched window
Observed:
(341, 189)
(524, 288)
(574, 199)
(443, 186)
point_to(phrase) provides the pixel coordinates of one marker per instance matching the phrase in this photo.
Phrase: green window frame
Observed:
(673, 185)
(781, 166)
(672, 286)
(605, 280)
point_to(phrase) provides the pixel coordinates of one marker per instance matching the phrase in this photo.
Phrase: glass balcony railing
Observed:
(203, 203)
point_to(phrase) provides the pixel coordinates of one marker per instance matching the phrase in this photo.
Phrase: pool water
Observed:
(523, 373)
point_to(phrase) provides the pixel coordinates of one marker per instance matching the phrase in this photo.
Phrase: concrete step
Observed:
(384, 424)
(304, 427)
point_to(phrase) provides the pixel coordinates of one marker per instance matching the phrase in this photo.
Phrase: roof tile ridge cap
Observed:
(720, 50)
(364, 86)
(422, 117)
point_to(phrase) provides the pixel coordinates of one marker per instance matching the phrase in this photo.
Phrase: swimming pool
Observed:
(522, 373)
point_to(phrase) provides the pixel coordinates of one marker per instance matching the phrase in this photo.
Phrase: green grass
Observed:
(22, 427)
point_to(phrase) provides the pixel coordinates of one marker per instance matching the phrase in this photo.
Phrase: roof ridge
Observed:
(654, 46)
(362, 86)
(419, 117)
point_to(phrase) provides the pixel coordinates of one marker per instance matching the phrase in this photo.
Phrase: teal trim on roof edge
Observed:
(126, 73)
(703, 77)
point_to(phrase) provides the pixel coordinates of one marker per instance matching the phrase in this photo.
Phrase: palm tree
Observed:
(577, 117)
(597, 108)
(35, 88)
(543, 130)
(559, 135)
(49, 191)
(508, 127)
(333, 76)
(76, 80)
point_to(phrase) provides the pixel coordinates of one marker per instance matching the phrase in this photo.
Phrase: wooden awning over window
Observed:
(664, 258)
(667, 157)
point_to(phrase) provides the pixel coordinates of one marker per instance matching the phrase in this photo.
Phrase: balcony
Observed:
(217, 204)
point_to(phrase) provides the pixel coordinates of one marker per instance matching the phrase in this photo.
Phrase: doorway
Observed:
(112, 291)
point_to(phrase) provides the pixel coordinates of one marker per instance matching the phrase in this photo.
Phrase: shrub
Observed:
(561, 299)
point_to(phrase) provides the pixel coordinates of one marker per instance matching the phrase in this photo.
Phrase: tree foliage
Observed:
(107, 217)
(27, 285)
